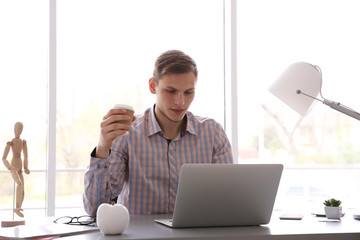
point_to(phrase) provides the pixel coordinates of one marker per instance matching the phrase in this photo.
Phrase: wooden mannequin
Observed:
(17, 145)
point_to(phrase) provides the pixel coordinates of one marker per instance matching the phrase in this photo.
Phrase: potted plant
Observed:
(333, 208)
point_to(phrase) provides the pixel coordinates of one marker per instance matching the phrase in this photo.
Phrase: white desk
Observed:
(143, 227)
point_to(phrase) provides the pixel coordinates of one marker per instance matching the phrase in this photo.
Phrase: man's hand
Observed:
(111, 129)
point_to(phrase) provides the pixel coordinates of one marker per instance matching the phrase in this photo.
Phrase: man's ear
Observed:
(152, 85)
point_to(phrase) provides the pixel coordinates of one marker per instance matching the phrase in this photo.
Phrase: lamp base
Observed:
(12, 223)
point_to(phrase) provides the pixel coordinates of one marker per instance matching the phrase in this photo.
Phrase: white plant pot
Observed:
(333, 212)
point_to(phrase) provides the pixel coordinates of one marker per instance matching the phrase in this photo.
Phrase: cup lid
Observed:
(123, 106)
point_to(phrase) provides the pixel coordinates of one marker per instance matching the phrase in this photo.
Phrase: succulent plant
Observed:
(332, 202)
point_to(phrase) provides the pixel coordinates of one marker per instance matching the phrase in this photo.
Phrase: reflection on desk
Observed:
(143, 227)
(43, 227)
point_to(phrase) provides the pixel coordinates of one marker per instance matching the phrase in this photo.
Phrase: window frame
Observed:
(230, 81)
(230, 94)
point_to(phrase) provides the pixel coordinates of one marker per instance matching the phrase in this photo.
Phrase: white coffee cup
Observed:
(130, 112)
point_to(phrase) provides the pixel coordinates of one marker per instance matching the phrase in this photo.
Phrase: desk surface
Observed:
(143, 227)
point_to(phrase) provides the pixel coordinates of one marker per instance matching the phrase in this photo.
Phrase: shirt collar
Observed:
(190, 124)
(154, 126)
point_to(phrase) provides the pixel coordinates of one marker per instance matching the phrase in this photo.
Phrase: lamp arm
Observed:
(341, 108)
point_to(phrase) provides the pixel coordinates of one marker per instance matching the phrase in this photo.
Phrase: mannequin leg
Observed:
(22, 194)
(18, 178)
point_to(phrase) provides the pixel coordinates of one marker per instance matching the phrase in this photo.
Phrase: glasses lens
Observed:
(63, 220)
(86, 219)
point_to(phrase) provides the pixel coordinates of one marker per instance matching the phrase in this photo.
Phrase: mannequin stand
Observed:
(12, 223)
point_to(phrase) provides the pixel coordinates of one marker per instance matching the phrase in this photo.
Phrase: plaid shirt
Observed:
(143, 167)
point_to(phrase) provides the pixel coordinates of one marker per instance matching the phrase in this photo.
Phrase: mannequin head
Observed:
(18, 129)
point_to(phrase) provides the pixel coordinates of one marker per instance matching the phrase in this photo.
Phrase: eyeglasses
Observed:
(82, 220)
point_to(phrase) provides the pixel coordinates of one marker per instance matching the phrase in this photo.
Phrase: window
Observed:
(105, 51)
(105, 54)
(320, 151)
(23, 93)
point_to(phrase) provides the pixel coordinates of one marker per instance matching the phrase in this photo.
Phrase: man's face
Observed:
(174, 94)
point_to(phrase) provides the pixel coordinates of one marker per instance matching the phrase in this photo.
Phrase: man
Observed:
(142, 167)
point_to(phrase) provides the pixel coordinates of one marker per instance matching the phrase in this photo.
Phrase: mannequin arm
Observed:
(6, 152)
(25, 152)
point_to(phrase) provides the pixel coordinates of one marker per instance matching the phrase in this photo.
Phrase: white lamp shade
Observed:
(298, 76)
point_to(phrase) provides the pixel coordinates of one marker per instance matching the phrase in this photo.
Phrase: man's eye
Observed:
(171, 91)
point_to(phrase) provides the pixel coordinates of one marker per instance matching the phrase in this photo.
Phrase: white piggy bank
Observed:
(112, 219)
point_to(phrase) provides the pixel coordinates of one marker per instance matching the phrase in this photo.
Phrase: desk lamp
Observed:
(300, 85)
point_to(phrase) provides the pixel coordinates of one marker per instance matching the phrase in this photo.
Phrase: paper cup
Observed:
(129, 112)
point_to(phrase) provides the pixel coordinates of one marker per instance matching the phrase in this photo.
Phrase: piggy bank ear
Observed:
(112, 219)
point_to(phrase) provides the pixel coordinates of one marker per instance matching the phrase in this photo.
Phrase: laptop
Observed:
(214, 195)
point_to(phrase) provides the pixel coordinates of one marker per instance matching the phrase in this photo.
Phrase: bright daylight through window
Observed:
(321, 150)
(23, 94)
(105, 55)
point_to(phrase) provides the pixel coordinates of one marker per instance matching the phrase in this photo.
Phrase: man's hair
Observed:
(173, 61)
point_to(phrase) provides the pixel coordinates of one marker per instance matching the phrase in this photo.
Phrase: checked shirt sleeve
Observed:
(103, 181)
(96, 189)
(222, 149)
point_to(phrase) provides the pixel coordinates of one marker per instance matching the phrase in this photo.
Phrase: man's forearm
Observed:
(95, 192)
(96, 188)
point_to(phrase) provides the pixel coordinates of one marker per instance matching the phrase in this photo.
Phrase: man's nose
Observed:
(179, 99)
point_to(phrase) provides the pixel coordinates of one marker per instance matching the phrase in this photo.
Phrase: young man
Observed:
(142, 168)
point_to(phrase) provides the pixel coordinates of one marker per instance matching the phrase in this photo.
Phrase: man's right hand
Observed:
(111, 129)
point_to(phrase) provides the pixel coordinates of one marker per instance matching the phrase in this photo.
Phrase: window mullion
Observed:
(51, 142)
(230, 75)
